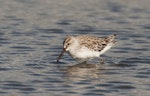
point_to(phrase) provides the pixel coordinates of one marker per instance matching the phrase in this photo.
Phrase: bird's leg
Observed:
(101, 60)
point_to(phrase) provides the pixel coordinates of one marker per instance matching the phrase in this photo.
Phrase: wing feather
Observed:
(93, 43)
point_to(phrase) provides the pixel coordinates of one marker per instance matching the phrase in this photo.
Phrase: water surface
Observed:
(31, 35)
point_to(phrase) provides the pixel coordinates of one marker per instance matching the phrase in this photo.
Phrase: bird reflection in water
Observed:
(83, 71)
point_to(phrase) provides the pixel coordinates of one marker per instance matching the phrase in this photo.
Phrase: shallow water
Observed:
(31, 35)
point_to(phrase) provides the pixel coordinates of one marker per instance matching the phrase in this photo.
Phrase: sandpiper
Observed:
(84, 47)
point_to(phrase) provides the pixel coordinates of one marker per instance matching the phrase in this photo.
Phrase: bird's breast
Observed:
(83, 53)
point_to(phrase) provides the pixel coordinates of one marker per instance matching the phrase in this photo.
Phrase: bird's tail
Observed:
(111, 38)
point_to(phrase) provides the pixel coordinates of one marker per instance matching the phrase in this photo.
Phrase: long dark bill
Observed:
(61, 54)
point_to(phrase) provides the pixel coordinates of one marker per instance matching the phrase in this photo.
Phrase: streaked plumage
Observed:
(84, 47)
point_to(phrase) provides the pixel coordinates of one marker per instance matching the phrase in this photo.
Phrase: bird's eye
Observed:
(68, 43)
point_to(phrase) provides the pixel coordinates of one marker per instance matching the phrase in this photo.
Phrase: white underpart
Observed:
(106, 48)
(85, 53)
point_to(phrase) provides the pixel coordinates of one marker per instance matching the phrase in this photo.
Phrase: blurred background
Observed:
(31, 36)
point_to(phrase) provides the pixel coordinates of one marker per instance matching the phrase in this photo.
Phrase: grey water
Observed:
(31, 36)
